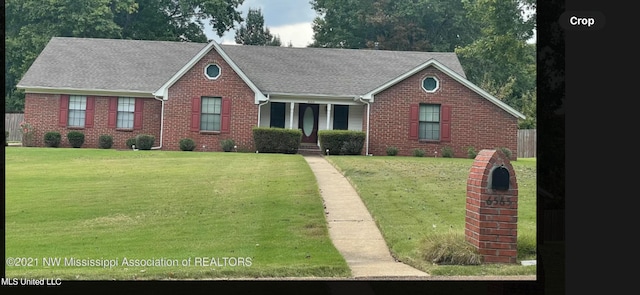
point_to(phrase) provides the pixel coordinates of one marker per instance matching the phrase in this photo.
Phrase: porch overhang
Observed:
(314, 98)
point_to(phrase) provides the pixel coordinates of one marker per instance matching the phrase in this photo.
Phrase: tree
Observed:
(419, 25)
(254, 31)
(501, 61)
(341, 23)
(178, 20)
(30, 24)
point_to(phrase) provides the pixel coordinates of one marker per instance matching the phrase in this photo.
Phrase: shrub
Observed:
(447, 152)
(76, 138)
(52, 139)
(342, 142)
(471, 152)
(506, 151)
(187, 144)
(28, 134)
(228, 145)
(105, 141)
(277, 140)
(131, 142)
(449, 248)
(352, 147)
(418, 153)
(392, 151)
(144, 141)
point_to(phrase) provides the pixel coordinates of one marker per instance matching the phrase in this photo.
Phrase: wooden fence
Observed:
(12, 124)
(527, 143)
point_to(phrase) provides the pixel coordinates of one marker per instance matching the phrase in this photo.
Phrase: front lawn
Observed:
(79, 213)
(413, 198)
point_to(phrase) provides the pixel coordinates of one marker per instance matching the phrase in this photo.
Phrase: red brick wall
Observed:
(491, 221)
(475, 121)
(42, 110)
(244, 113)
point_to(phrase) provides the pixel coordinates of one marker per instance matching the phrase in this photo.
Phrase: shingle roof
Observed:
(134, 65)
(108, 64)
(328, 71)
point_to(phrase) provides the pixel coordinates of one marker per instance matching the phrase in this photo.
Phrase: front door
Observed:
(308, 122)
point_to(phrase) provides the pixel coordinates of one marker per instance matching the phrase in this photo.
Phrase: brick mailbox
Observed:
(491, 222)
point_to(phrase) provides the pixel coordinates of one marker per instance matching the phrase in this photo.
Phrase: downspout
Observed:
(368, 103)
(161, 123)
(260, 109)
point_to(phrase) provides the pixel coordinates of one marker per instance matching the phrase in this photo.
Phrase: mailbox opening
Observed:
(500, 178)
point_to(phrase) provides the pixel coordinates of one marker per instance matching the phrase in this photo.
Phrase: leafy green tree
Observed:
(30, 24)
(178, 20)
(419, 25)
(254, 31)
(341, 23)
(501, 61)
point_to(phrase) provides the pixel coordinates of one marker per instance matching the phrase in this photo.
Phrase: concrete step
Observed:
(309, 149)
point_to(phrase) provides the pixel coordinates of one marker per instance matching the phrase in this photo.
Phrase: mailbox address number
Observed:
(499, 201)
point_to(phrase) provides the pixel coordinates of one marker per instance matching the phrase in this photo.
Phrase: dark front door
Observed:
(308, 122)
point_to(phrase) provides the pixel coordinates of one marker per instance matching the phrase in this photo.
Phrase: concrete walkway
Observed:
(353, 230)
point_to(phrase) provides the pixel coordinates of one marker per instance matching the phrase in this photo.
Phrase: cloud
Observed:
(300, 34)
(291, 20)
(281, 12)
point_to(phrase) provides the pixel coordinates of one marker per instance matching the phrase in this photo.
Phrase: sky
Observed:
(291, 20)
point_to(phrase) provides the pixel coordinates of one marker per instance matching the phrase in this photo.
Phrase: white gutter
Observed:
(161, 123)
(260, 109)
(83, 91)
(368, 103)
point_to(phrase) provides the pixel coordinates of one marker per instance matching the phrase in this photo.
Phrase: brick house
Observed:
(210, 92)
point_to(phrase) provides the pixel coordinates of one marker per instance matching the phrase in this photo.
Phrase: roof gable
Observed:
(163, 90)
(434, 63)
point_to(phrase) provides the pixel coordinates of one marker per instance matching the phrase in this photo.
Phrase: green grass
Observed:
(414, 200)
(96, 205)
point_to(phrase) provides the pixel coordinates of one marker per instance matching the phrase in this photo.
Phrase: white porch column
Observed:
(328, 115)
(291, 115)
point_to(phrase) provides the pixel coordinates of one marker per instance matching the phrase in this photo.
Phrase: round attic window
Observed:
(212, 71)
(430, 84)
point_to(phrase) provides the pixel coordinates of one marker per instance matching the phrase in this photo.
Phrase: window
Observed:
(341, 117)
(277, 114)
(429, 128)
(125, 113)
(430, 84)
(430, 122)
(210, 114)
(77, 110)
(126, 109)
(212, 71)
